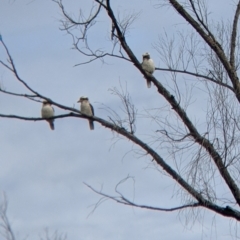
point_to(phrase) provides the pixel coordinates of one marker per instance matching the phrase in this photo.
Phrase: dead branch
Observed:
(233, 36)
(197, 75)
(123, 200)
(5, 226)
(128, 107)
(54, 236)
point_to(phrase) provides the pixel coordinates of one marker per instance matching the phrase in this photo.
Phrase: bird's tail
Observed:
(148, 83)
(91, 125)
(51, 123)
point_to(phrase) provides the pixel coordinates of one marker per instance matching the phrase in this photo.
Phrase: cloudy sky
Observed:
(43, 172)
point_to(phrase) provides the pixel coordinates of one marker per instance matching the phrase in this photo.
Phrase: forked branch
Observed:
(123, 200)
(212, 43)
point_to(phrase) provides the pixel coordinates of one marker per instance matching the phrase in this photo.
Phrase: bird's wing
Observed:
(92, 109)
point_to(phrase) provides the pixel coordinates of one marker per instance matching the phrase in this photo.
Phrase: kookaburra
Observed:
(87, 109)
(148, 66)
(48, 112)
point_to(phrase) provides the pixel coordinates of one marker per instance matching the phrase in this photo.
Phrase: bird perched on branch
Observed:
(148, 66)
(48, 112)
(87, 109)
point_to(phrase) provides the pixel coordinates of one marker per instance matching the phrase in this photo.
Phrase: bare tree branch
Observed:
(212, 43)
(5, 225)
(14, 70)
(214, 149)
(227, 211)
(91, 18)
(123, 200)
(201, 17)
(54, 236)
(201, 140)
(28, 96)
(128, 108)
(197, 75)
(6, 229)
(234, 35)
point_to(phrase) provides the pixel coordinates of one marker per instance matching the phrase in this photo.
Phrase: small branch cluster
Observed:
(5, 226)
(128, 109)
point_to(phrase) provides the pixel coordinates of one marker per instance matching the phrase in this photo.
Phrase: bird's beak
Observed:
(78, 101)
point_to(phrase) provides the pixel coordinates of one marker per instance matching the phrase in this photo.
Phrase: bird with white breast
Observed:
(87, 109)
(48, 112)
(148, 66)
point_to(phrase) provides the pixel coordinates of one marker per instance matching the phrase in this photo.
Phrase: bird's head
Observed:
(45, 102)
(146, 55)
(83, 98)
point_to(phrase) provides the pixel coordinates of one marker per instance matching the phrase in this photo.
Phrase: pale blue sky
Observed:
(42, 171)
